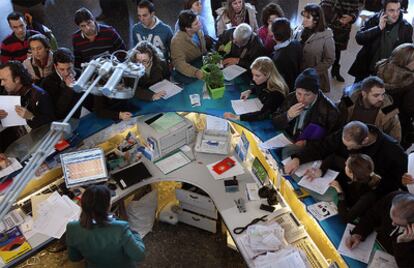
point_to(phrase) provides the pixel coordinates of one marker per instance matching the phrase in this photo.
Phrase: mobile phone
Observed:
(267, 208)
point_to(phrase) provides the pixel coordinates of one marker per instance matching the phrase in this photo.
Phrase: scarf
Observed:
(239, 17)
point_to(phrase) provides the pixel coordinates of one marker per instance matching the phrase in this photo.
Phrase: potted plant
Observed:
(213, 75)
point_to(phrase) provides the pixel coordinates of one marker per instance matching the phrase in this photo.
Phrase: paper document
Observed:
(53, 214)
(319, 185)
(277, 141)
(362, 251)
(302, 168)
(14, 166)
(252, 191)
(411, 172)
(170, 88)
(8, 104)
(232, 71)
(323, 210)
(286, 258)
(382, 259)
(215, 123)
(172, 162)
(246, 106)
(236, 170)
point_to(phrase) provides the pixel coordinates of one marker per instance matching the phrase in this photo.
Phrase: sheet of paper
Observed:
(411, 172)
(170, 88)
(232, 71)
(277, 141)
(53, 214)
(236, 170)
(302, 168)
(246, 106)
(27, 227)
(215, 123)
(286, 258)
(362, 251)
(319, 185)
(172, 162)
(14, 165)
(323, 210)
(252, 191)
(382, 259)
(8, 104)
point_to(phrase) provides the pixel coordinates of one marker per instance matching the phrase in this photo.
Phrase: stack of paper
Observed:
(246, 106)
(262, 238)
(232, 71)
(362, 251)
(286, 258)
(216, 123)
(319, 185)
(236, 170)
(170, 88)
(53, 214)
(278, 141)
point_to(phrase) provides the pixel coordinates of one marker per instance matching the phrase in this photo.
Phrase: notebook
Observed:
(131, 175)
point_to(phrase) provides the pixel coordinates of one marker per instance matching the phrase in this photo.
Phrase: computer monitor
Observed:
(84, 167)
(259, 171)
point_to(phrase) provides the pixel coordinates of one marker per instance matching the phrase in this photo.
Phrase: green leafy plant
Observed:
(212, 58)
(213, 76)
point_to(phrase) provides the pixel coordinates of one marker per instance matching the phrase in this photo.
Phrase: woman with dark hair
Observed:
(156, 70)
(235, 13)
(357, 191)
(98, 238)
(270, 12)
(318, 43)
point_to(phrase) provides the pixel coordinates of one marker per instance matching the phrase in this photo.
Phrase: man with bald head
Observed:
(393, 219)
(389, 158)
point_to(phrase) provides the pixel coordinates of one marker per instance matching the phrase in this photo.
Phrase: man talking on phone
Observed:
(393, 218)
(379, 36)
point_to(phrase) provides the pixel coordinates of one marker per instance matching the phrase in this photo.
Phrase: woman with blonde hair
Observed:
(397, 72)
(235, 13)
(269, 87)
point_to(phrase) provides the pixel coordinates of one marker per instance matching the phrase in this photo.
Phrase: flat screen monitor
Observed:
(259, 171)
(84, 167)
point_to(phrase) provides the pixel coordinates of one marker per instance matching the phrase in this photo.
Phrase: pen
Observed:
(394, 231)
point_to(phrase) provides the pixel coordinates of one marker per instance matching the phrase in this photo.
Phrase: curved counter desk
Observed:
(326, 240)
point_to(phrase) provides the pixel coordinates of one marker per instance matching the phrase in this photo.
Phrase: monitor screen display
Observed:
(259, 171)
(84, 167)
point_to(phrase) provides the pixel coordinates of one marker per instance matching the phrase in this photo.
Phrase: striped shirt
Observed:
(12, 48)
(107, 40)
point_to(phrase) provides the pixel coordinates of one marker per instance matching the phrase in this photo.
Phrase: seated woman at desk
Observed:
(356, 192)
(156, 69)
(98, 238)
(269, 87)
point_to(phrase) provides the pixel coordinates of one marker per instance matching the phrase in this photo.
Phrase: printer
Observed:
(165, 132)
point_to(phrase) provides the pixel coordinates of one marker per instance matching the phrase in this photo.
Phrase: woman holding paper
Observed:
(269, 87)
(356, 193)
(98, 238)
(156, 70)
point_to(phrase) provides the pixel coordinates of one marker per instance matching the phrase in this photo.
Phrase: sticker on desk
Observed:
(323, 210)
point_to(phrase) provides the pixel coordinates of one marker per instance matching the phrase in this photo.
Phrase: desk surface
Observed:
(264, 130)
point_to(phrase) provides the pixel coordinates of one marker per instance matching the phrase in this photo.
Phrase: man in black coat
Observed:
(240, 46)
(306, 110)
(393, 219)
(36, 107)
(379, 36)
(59, 84)
(388, 156)
(287, 54)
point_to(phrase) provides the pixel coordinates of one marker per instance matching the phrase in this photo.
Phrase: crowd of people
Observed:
(363, 136)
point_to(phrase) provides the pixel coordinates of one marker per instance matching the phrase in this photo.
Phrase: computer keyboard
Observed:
(315, 258)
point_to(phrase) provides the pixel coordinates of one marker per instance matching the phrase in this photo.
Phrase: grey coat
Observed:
(318, 53)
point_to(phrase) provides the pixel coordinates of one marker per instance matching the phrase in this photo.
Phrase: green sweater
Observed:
(113, 245)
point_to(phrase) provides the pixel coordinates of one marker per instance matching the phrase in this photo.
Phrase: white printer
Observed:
(165, 132)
